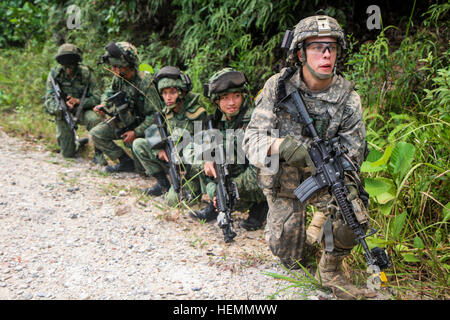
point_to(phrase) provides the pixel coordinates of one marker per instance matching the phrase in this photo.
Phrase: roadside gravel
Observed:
(69, 231)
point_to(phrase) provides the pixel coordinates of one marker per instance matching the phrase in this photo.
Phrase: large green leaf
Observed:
(369, 166)
(397, 129)
(401, 159)
(375, 162)
(386, 208)
(381, 189)
(146, 67)
(374, 155)
(385, 158)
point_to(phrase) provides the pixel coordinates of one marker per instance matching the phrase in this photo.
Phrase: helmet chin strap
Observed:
(233, 114)
(180, 99)
(318, 75)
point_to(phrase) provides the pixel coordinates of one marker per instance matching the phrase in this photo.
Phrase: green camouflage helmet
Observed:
(315, 26)
(121, 54)
(68, 54)
(225, 81)
(172, 77)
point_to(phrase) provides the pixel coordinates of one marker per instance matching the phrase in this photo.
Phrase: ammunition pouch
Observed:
(126, 116)
(321, 123)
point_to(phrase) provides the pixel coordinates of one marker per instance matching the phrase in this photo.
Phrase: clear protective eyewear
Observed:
(317, 47)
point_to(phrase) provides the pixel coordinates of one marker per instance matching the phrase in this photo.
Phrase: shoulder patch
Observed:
(257, 95)
(196, 114)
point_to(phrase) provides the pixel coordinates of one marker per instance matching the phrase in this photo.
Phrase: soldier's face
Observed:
(170, 96)
(230, 103)
(69, 70)
(123, 72)
(321, 53)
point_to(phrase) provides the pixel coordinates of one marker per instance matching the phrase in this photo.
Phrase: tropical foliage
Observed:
(401, 73)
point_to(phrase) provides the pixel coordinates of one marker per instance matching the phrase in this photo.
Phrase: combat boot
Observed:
(161, 186)
(99, 158)
(208, 213)
(334, 278)
(82, 142)
(126, 164)
(256, 217)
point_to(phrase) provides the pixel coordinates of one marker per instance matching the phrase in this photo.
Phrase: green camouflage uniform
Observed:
(244, 175)
(72, 87)
(337, 112)
(144, 101)
(178, 124)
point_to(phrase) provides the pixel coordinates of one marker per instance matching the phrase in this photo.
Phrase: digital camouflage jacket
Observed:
(72, 87)
(142, 96)
(336, 112)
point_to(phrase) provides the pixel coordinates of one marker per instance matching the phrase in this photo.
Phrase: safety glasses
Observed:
(317, 47)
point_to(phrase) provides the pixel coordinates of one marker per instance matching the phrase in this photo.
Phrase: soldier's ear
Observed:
(300, 55)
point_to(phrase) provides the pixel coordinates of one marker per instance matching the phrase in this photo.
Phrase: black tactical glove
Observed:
(295, 154)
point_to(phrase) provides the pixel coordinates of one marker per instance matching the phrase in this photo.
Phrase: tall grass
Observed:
(405, 92)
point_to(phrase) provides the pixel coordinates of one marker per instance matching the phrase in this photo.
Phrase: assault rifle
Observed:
(170, 149)
(120, 100)
(60, 99)
(226, 192)
(330, 160)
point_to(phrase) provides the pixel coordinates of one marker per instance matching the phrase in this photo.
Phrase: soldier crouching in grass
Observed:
(335, 109)
(79, 94)
(228, 93)
(131, 112)
(181, 109)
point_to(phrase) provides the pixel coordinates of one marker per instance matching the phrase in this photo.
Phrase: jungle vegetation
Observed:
(401, 72)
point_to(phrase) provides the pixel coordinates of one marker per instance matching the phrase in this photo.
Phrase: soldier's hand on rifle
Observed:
(98, 109)
(215, 202)
(162, 155)
(72, 102)
(129, 136)
(295, 154)
(210, 171)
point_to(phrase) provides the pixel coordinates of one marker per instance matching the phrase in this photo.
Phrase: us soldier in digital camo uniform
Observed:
(74, 79)
(181, 109)
(135, 113)
(228, 93)
(336, 111)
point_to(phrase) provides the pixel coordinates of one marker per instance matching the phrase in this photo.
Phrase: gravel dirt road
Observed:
(69, 231)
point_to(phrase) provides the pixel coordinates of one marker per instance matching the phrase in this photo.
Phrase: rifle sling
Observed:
(80, 105)
(327, 232)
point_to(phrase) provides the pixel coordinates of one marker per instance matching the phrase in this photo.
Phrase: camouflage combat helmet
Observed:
(314, 26)
(225, 81)
(172, 77)
(68, 54)
(122, 54)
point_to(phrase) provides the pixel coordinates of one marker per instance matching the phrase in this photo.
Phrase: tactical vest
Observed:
(178, 123)
(326, 108)
(239, 163)
(73, 87)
